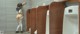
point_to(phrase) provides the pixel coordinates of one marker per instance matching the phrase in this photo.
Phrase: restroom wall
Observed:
(71, 4)
(8, 14)
(40, 2)
(25, 8)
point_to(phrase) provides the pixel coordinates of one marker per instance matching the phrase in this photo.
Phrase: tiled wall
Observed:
(8, 15)
(40, 2)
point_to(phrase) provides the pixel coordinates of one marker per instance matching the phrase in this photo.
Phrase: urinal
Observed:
(35, 32)
(71, 20)
(47, 22)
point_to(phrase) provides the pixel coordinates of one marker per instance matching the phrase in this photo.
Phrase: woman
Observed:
(19, 16)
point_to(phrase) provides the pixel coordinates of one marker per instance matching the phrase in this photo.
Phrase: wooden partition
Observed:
(33, 20)
(73, 0)
(78, 0)
(79, 17)
(56, 17)
(28, 19)
(41, 19)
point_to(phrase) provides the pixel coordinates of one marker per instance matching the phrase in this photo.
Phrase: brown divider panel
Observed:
(56, 17)
(28, 19)
(73, 0)
(79, 18)
(41, 19)
(33, 20)
(78, 0)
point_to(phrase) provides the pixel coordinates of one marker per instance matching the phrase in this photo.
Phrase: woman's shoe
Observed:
(17, 31)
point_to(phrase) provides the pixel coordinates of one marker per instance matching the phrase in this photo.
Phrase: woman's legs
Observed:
(19, 25)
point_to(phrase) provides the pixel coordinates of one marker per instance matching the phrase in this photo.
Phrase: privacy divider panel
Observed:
(78, 0)
(28, 19)
(56, 17)
(73, 0)
(41, 19)
(79, 17)
(33, 20)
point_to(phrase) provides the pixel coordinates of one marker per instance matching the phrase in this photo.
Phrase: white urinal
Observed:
(35, 32)
(47, 22)
(71, 20)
